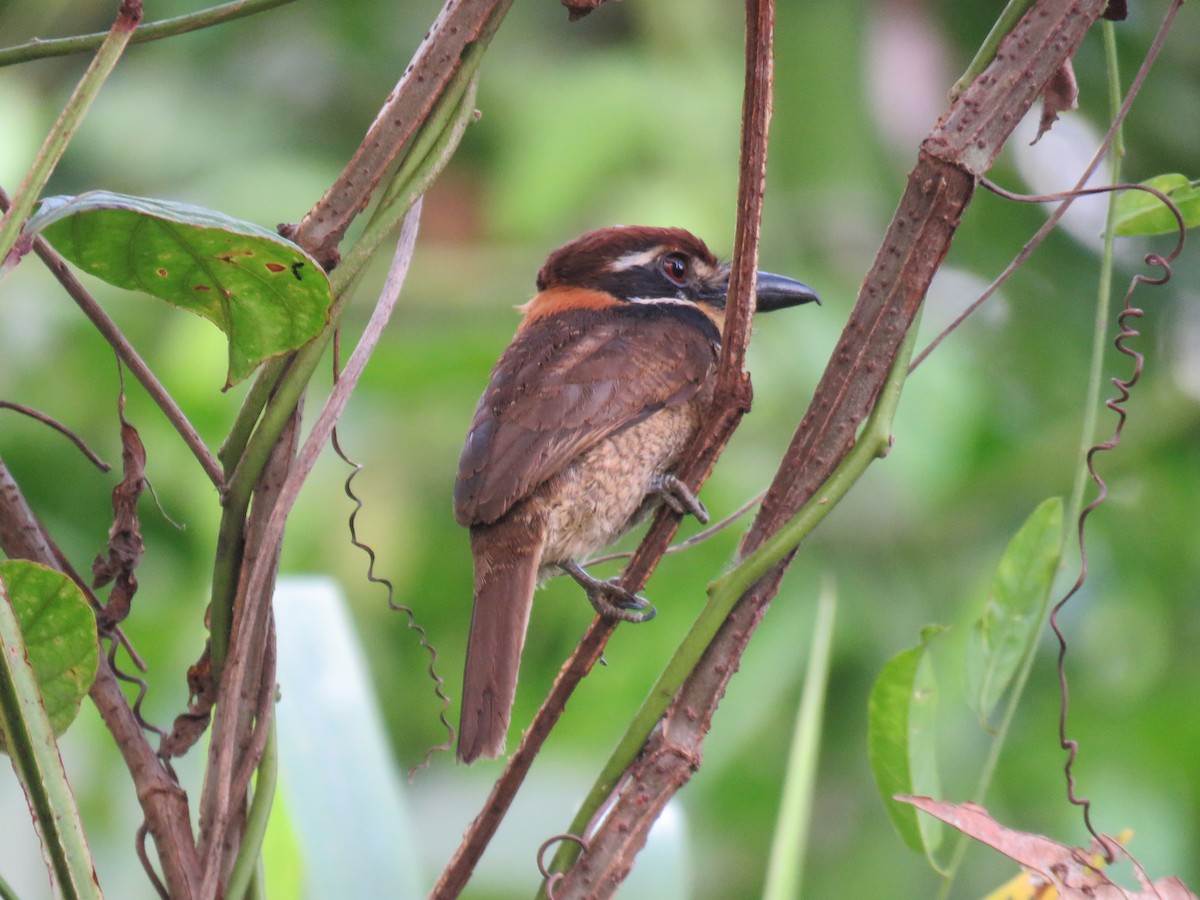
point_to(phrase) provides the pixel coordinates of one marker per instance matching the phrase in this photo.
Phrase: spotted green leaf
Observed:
(263, 291)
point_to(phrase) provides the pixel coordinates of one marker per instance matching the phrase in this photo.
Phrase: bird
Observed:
(575, 437)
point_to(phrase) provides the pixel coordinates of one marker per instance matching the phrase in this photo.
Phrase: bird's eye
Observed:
(675, 267)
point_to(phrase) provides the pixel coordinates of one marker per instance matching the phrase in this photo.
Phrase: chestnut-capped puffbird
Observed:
(576, 435)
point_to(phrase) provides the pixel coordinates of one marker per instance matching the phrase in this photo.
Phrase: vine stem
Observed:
(1119, 107)
(1009, 17)
(1091, 411)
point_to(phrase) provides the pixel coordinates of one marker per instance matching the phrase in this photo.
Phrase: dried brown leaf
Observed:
(577, 9)
(1073, 871)
(1060, 95)
(125, 546)
(189, 726)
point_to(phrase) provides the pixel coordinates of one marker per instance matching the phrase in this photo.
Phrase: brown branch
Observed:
(222, 810)
(731, 401)
(62, 429)
(163, 802)
(961, 146)
(459, 24)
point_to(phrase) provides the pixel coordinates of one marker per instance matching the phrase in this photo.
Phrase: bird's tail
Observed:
(507, 555)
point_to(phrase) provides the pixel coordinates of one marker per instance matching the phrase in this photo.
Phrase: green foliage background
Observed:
(632, 115)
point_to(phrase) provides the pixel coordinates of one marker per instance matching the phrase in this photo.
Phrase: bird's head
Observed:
(640, 264)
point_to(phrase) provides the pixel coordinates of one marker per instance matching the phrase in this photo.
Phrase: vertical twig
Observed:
(222, 809)
(731, 400)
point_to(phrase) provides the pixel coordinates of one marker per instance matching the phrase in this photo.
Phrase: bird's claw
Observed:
(614, 602)
(679, 498)
(609, 599)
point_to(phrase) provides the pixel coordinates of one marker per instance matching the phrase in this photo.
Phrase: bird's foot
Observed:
(610, 600)
(679, 497)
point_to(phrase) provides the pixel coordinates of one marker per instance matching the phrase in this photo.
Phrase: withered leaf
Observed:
(1071, 870)
(577, 9)
(125, 546)
(1061, 95)
(189, 726)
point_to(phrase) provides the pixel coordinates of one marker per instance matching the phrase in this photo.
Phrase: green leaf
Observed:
(28, 733)
(59, 630)
(1012, 615)
(901, 741)
(263, 291)
(1142, 213)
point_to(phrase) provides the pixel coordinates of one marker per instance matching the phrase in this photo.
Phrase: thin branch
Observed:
(698, 538)
(151, 31)
(61, 429)
(127, 354)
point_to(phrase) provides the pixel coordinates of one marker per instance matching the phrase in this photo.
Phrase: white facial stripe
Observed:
(675, 300)
(633, 260)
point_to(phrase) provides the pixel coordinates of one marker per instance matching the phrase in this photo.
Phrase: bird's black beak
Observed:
(780, 292)
(774, 291)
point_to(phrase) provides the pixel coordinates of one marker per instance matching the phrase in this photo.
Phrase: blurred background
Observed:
(631, 115)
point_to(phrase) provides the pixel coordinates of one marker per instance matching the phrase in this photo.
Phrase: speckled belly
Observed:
(603, 494)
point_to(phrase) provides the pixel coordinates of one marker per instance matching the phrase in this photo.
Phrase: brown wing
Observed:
(568, 381)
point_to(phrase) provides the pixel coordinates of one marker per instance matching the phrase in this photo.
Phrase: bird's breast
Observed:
(600, 496)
